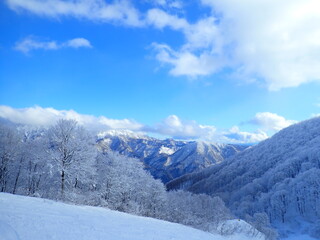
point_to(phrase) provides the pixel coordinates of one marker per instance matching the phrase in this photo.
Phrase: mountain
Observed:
(280, 176)
(25, 218)
(167, 159)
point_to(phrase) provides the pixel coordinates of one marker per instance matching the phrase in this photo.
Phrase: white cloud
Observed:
(172, 126)
(177, 128)
(315, 115)
(98, 10)
(38, 116)
(126, 124)
(30, 116)
(272, 42)
(271, 121)
(189, 61)
(160, 19)
(30, 43)
(175, 4)
(204, 34)
(168, 3)
(234, 135)
(77, 43)
(185, 62)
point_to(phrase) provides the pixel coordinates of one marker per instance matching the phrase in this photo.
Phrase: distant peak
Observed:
(202, 143)
(123, 133)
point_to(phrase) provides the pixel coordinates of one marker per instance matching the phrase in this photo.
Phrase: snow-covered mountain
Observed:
(167, 159)
(279, 176)
(26, 218)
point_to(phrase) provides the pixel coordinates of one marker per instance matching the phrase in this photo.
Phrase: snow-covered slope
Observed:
(280, 176)
(168, 159)
(26, 218)
(195, 156)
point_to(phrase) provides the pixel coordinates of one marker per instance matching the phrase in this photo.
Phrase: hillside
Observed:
(168, 159)
(279, 176)
(25, 218)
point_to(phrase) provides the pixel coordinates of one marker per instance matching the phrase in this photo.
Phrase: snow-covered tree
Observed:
(72, 152)
(279, 176)
(125, 186)
(261, 222)
(9, 148)
(33, 173)
(197, 210)
(62, 162)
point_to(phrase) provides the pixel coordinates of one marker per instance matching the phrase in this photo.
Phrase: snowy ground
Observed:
(26, 218)
(296, 230)
(299, 237)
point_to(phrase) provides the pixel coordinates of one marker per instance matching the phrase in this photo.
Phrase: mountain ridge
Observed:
(168, 159)
(279, 176)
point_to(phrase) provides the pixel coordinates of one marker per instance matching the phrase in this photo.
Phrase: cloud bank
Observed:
(44, 117)
(172, 126)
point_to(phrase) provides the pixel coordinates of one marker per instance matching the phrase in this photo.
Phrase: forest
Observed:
(65, 163)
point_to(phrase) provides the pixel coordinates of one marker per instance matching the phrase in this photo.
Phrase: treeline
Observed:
(64, 163)
(279, 177)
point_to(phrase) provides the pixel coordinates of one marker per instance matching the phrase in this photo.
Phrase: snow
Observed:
(166, 150)
(299, 237)
(25, 218)
(239, 227)
(279, 176)
(296, 230)
(166, 159)
(123, 133)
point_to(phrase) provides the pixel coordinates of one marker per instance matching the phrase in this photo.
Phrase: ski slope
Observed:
(26, 218)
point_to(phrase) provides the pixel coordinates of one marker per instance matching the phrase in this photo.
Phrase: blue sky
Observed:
(185, 69)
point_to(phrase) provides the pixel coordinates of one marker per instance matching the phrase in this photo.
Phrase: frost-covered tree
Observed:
(279, 176)
(261, 222)
(315, 230)
(62, 162)
(125, 186)
(9, 149)
(72, 153)
(197, 210)
(32, 171)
